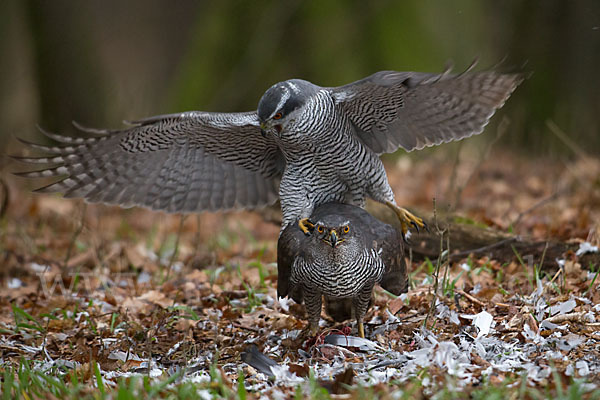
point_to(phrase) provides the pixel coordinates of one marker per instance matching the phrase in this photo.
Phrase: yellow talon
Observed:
(406, 218)
(305, 225)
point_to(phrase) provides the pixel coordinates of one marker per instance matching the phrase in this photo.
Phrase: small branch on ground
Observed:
(75, 235)
(176, 247)
(438, 265)
(470, 298)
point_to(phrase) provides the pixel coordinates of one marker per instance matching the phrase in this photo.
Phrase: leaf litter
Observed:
(138, 302)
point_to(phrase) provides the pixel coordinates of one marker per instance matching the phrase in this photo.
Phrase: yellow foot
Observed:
(406, 218)
(305, 225)
(361, 330)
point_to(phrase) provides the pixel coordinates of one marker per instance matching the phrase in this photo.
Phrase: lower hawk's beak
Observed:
(333, 239)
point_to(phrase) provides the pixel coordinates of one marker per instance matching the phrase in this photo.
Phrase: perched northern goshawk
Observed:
(310, 144)
(345, 253)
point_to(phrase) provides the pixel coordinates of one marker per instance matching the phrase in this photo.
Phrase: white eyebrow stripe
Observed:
(294, 87)
(347, 222)
(284, 97)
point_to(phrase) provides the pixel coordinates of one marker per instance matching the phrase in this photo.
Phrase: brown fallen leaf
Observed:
(477, 360)
(129, 364)
(300, 370)
(531, 322)
(395, 305)
(81, 258)
(134, 256)
(183, 324)
(110, 299)
(571, 317)
(156, 297)
(340, 382)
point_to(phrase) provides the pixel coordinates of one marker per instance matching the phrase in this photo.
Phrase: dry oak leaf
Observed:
(156, 297)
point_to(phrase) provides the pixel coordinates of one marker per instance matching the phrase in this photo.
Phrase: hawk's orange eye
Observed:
(346, 229)
(278, 116)
(320, 229)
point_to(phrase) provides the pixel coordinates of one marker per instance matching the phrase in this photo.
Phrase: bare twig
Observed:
(543, 255)
(436, 273)
(555, 275)
(149, 337)
(502, 242)
(470, 298)
(76, 234)
(565, 139)
(447, 262)
(176, 248)
(246, 327)
(537, 205)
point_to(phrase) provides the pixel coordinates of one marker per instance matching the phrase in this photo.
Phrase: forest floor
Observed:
(102, 302)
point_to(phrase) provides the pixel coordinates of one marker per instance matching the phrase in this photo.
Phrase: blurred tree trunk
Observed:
(67, 75)
(559, 41)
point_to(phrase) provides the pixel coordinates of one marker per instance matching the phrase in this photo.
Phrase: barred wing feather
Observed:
(413, 110)
(185, 162)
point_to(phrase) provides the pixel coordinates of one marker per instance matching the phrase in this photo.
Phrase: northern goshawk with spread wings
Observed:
(308, 144)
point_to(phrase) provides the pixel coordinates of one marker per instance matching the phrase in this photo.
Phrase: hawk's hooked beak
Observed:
(263, 131)
(272, 130)
(333, 238)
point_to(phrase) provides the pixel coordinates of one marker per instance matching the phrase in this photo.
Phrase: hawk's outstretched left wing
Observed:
(413, 110)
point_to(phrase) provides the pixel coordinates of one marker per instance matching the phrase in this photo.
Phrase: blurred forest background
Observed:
(100, 62)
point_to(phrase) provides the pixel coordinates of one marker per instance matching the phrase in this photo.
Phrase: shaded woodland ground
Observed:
(145, 303)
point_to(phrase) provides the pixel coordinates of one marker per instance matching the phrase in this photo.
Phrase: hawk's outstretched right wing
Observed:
(187, 162)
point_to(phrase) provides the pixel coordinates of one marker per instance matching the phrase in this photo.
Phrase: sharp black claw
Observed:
(405, 239)
(413, 223)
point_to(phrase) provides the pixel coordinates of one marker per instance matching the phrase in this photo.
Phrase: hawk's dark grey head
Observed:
(332, 240)
(333, 230)
(281, 100)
